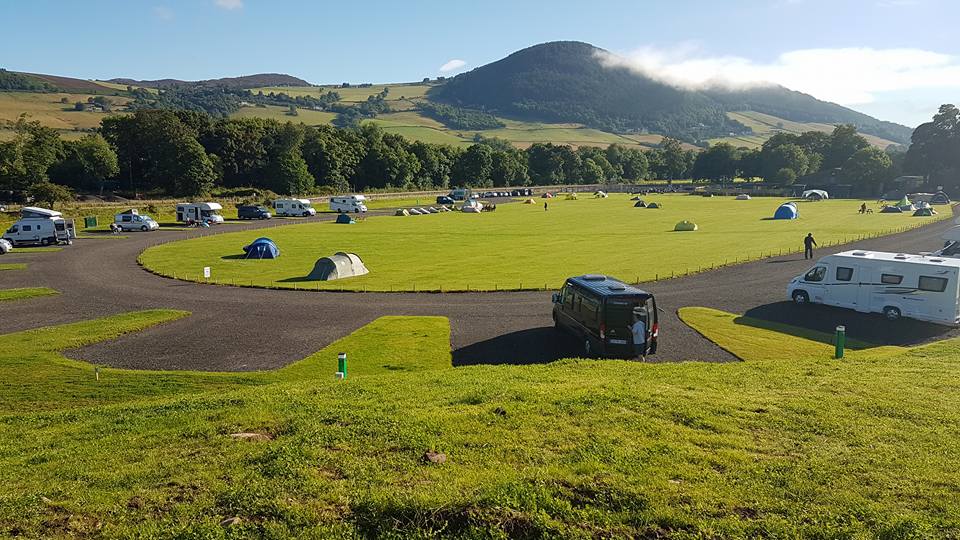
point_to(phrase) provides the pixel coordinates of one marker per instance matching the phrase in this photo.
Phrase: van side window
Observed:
(589, 308)
(932, 284)
(890, 279)
(844, 274)
(26, 228)
(815, 274)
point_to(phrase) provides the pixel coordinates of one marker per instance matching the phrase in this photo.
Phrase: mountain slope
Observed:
(246, 81)
(567, 82)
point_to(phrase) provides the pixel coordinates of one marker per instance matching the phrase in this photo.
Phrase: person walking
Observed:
(863, 208)
(808, 244)
(544, 206)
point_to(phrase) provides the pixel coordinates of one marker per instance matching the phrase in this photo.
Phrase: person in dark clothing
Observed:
(808, 244)
(544, 206)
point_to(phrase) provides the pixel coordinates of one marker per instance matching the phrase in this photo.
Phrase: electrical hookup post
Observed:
(839, 341)
(341, 366)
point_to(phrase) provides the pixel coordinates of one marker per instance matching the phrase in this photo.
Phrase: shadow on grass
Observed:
(523, 347)
(864, 330)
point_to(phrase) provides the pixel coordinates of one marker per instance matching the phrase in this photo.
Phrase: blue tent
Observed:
(345, 219)
(787, 211)
(262, 248)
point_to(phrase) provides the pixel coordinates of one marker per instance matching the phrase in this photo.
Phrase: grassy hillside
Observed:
(765, 126)
(777, 447)
(51, 112)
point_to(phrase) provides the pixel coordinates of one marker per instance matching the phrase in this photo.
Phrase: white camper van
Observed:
(206, 212)
(131, 220)
(348, 203)
(40, 226)
(895, 284)
(294, 207)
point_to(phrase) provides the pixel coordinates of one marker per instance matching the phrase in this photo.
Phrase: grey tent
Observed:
(640, 204)
(653, 205)
(891, 210)
(340, 265)
(940, 198)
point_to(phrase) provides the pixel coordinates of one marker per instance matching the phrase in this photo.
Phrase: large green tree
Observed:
(935, 151)
(26, 158)
(474, 167)
(867, 169)
(717, 162)
(87, 163)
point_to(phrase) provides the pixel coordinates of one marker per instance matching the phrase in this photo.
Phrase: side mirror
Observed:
(556, 298)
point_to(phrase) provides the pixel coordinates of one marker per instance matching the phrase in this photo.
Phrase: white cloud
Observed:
(849, 76)
(229, 4)
(452, 65)
(163, 13)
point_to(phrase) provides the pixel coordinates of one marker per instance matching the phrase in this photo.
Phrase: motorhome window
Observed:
(932, 284)
(891, 279)
(59, 226)
(26, 228)
(844, 274)
(815, 274)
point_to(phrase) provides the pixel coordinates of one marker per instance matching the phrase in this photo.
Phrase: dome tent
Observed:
(339, 266)
(402, 212)
(924, 212)
(891, 210)
(640, 204)
(787, 211)
(600, 195)
(261, 248)
(940, 198)
(743, 197)
(685, 226)
(345, 219)
(546, 195)
(815, 195)
(653, 205)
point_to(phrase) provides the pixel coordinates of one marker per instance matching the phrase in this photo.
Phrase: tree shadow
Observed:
(524, 347)
(818, 322)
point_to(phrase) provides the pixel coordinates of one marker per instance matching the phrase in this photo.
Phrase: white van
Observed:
(920, 287)
(294, 207)
(40, 226)
(348, 203)
(131, 220)
(206, 212)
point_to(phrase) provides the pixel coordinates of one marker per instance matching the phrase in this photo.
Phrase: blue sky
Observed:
(895, 59)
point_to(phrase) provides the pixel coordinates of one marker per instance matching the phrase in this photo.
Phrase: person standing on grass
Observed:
(544, 206)
(808, 244)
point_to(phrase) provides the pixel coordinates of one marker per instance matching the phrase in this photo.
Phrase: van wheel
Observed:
(801, 298)
(891, 313)
(44, 242)
(306, 214)
(143, 228)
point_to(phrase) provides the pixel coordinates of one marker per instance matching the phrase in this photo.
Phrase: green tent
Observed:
(685, 226)
(904, 201)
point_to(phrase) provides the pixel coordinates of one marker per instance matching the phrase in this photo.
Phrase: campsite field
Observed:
(774, 446)
(521, 246)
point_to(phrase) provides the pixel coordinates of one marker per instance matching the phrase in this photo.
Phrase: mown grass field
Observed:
(780, 446)
(24, 293)
(522, 246)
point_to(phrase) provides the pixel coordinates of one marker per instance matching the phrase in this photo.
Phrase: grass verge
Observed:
(13, 266)
(26, 292)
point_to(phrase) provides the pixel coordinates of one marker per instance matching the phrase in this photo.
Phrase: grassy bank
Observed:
(522, 246)
(26, 292)
(794, 445)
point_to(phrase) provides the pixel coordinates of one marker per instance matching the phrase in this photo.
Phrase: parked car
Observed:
(444, 199)
(5, 246)
(897, 285)
(250, 211)
(609, 317)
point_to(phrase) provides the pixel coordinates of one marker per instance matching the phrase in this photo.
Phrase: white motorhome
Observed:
(205, 212)
(294, 207)
(951, 243)
(348, 203)
(131, 220)
(897, 285)
(40, 226)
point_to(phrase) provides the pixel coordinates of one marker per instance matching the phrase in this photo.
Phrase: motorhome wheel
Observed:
(800, 298)
(891, 313)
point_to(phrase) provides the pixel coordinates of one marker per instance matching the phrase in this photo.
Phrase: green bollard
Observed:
(342, 364)
(840, 341)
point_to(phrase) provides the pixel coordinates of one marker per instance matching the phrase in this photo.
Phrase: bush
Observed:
(785, 176)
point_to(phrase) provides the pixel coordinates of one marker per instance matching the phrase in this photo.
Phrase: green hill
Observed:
(567, 82)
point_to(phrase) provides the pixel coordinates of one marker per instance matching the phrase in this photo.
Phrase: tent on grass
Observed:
(402, 212)
(345, 219)
(653, 205)
(571, 196)
(636, 198)
(639, 204)
(743, 197)
(433, 210)
(600, 195)
(924, 212)
(685, 226)
(340, 265)
(891, 210)
(815, 195)
(528, 201)
(546, 195)
(939, 198)
(261, 248)
(787, 211)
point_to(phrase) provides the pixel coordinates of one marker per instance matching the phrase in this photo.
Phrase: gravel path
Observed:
(241, 329)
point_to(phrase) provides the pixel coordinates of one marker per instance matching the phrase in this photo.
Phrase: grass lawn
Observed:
(781, 445)
(521, 246)
(12, 266)
(26, 292)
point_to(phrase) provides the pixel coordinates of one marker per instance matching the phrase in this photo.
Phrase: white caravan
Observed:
(206, 212)
(131, 220)
(348, 203)
(40, 226)
(294, 207)
(898, 285)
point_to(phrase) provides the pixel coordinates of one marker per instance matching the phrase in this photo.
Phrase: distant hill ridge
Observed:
(566, 81)
(246, 81)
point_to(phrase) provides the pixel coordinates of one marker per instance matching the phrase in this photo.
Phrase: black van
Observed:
(602, 312)
(253, 212)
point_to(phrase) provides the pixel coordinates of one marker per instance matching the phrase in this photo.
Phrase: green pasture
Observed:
(765, 126)
(354, 93)
(521, 246)
(788, 443)
(24, 293)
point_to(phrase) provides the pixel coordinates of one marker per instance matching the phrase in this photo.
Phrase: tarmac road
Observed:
(242, 329)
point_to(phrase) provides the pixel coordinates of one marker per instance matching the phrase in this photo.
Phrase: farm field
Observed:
(568, 449)
(353, 94)
(521, 246)
(306, 116)
(764, 126)
(49, 111)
